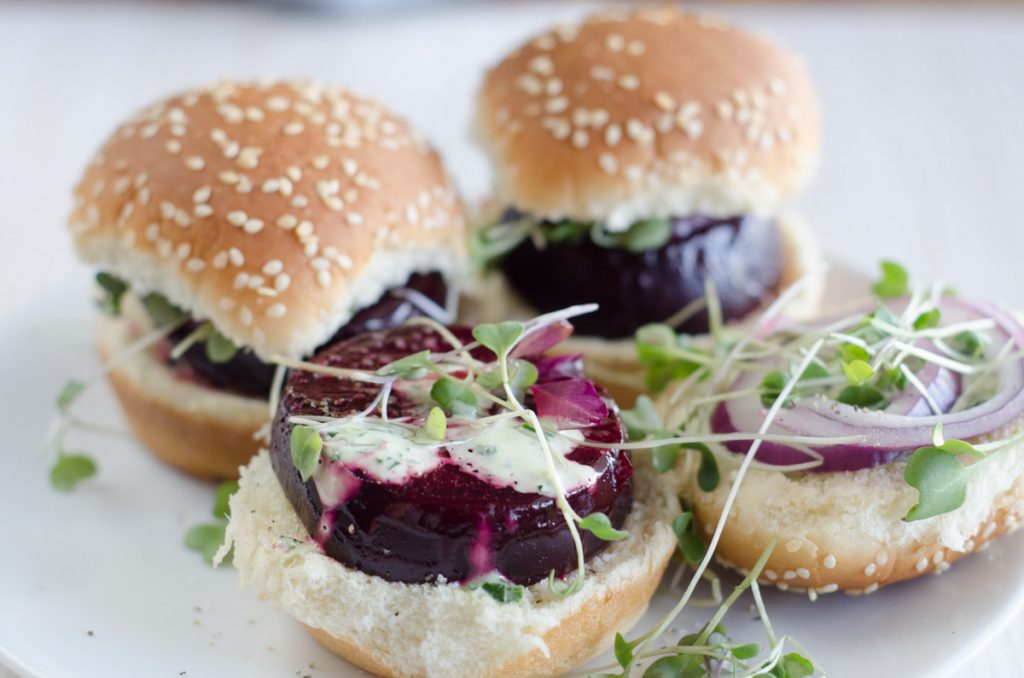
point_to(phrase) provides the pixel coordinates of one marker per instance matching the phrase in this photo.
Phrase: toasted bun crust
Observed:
(845, 531)
(413, 631)
(613, 362)
(648, 112)
(275, 210)
(202, 431)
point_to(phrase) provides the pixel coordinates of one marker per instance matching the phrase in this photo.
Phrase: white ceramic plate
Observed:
(98, 583)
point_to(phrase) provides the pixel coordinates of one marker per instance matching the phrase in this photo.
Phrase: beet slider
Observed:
(434, 506)
(638, 155)
(242, 221)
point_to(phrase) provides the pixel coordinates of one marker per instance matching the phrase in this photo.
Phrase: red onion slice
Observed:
(569, 402)
(886, 434)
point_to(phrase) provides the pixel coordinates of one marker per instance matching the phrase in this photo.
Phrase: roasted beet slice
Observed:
(246, 374)
(742, 255)
(446, 524)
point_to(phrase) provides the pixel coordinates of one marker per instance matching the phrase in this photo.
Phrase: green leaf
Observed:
(499, 337)
(661, 373)
(306, 445)
(677, 666)
(410, 367)
(599, 525)
(891, 377)
(642, 419)
(162, 311)
(219, 349)
(114, 288)
(928, 319)
(893, 283)
(221, 505)
(522, 374)
(489, 380)
(748, 651)
(851, 352)
(664, 457)
(814, 371)
(690, 545)
(562, 589)
(648, 234)
(655, 335)
(565, 231)
(967, 344)
(863, 395)
(436, 424)
(503, 591)
(857, 372)
(771, 387)
(206, 539)
(707, 472)
(72, 389)
(447, 391)
(794, 666)
(71, 469)
(623, 650)
(940, 480)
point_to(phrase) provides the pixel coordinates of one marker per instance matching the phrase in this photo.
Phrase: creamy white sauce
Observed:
(502, 453)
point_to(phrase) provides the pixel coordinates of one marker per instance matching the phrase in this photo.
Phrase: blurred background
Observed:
(923, 105)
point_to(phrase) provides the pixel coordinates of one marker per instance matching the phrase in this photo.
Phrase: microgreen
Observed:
(436, 424)
(162, 311)
(412, 366)
(691, 546)
(599, 525)
(72, 389)
(939, 477)
(862, 395)
(219, 349)
(642, 419)
(967, 344)
(71, 469)
(499, 337)
(664, 457)
(771, 387)
(792, 665)
(306, 445)
(503, 591)
(928, 319)
(894, 281)
(207, 538)
(851, 352)
(857, 372)
(451, 393)
(522, 374)
(707, 472)
(114, 289)
(666, 355)
(647, 234)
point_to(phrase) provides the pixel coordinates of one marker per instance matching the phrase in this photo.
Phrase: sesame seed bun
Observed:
(205, 432)
(274, 210)
(845, 531)
(648, 112)
(443, 630)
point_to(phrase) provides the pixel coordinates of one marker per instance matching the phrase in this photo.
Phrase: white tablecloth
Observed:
(924, 119)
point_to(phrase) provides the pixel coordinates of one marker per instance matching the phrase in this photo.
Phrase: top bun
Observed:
(274, 210)
(649, 112)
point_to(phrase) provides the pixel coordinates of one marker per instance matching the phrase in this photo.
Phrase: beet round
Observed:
(424, 529)
(742, 255)
(246, 374)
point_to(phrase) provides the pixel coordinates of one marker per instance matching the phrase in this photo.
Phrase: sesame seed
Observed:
(871, 589)
(277, 104)
(320, 162)
(938, 557)
(183, 250)
(255, 281)
(771, 575)
(882, 558)
(293, 128)
(803, 573)
(615, 42)
(195, 163)
(277, 310)
(305, 228)
(220, 260)
(989, 529)
(202, 211)
(271, 186)
(664, 101)
(354, 218)
(580, 138)
(202, 194)
(629, 82)
(282, 281)
(229, 178)
(249, 157)
(789, 574)
(237, 217)
(793, 545)
(828, 588)
(287, 221)
(241, 280)
(149, 131)
(232, 149)
(608, 163)
(870, 569)
(612, 134)
(181, 218)
(636, 48)
(236, 257)
(922, 565)
(153, 231)
(324, 278)
(556, 105)
(195, 265)
(830, 561)
(542, 65)
(530, 83)
(245, 315)
(273, 267)
(320, 264)
(253, 226)
(724, 109)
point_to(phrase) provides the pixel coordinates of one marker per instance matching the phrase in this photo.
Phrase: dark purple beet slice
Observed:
(248, 375)
(424, 529)
(742, 255)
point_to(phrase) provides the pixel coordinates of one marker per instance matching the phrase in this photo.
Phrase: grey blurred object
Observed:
(361, 6)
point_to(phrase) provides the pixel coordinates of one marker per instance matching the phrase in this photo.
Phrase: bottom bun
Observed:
(613, 362)
(202, 431)
(845, 531)
(433, 630)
